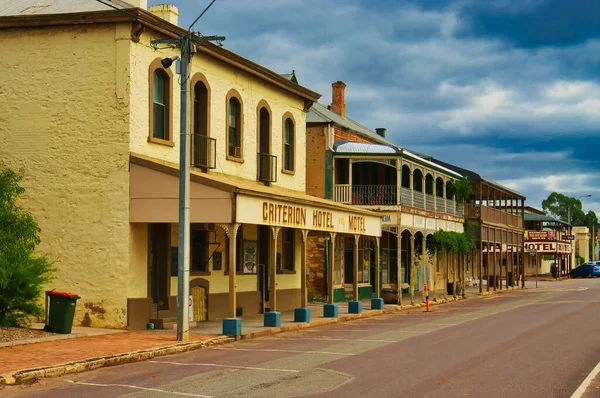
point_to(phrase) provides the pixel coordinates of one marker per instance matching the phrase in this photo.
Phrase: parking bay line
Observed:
(216, 365)
(277, 350)
(185, 394)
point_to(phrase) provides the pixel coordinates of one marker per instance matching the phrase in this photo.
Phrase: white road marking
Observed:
(138, 388)
(586, 383)
(276, 350)
(332, 339)
(216, 365)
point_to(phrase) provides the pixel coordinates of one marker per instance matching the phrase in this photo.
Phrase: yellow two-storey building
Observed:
(90, 116)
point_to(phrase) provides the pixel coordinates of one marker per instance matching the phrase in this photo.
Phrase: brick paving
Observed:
(51, 353)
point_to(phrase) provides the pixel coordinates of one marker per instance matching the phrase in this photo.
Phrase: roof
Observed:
(473, 176)
(42, 13)
(540, 217)
(361, 147)
(290, 76)
(319, 113)
(33, 7)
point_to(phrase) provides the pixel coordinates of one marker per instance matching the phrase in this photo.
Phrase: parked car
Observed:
(586, 270)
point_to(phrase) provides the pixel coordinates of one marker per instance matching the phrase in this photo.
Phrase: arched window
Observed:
(288, 145)
(234, 124)
(200, 109)
(160, 92)
(160, 105)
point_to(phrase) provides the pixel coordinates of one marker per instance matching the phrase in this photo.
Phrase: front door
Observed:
(349, 267)
(158, 265)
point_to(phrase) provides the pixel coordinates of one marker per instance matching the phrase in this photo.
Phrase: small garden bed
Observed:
(13, 334)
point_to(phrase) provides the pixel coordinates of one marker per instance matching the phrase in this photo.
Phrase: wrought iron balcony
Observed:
(366, 195)
(204, 154)
(267, 167)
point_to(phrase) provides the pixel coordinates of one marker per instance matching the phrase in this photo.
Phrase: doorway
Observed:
(200, 299)
(264, 236)
(158, 265)
(349, 266)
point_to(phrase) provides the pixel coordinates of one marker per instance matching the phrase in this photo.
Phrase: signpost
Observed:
(533, 253)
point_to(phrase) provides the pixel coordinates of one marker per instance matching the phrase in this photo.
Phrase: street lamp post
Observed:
(187, 42)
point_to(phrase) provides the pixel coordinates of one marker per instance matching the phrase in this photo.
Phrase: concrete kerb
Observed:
(111, 360)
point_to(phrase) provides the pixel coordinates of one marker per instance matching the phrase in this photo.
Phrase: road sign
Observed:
(568, 237)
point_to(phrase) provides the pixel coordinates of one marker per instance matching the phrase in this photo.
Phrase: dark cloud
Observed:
(507, 88)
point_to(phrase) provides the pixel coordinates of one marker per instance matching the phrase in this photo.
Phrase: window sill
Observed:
(239, 273)
(234, 159)
(199, 273)
(160, 141)
(288, 172)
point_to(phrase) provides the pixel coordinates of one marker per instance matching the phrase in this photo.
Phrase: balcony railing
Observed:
(387, 195)
(267, 167)
(430, 202)
(440, 204)
(204, 154)
(493, 215)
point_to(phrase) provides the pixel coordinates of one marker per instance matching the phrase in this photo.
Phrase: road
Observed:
(532, 343)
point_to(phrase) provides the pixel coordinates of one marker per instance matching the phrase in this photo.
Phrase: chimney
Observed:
(168, 12)
(139, 3)
(380, 131)
(338, 103)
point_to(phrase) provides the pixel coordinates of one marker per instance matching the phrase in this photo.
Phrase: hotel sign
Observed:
(549, 247)
(260, 211)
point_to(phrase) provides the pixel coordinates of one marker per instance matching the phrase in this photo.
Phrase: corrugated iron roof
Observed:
(319, 113)
(361, 147)
(33, 7)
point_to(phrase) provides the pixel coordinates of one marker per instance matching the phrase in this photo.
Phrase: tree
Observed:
(558, 205)
(23, 272)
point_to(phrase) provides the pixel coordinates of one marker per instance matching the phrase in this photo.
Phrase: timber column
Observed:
(399, 266)
(412, 268)
(232, 325)
(302, 314)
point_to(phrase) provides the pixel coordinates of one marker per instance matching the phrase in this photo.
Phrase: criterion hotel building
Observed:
(98, 144)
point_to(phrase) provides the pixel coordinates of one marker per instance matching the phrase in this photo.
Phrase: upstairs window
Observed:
(234, 128)
(288, 145)
(160, 92)
(287, 249)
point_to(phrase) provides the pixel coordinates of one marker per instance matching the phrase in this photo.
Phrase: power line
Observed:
(200, 16)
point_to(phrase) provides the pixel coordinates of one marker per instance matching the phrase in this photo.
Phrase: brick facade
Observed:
(316, 146)
(340, 134)
(315, 261)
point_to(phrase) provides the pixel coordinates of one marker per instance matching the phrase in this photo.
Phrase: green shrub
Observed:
(23, 272)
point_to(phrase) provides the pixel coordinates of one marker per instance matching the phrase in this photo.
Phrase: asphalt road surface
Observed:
(534, 343)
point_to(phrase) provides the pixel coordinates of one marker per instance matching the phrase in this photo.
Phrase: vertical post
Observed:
(233, 228)
(521, 240)
(446, 272)
(273, 273)
(412, 186)
(412, 267)
(480, 241)
(377, 269)
(330, 268)
(501, 256)
(424, 266)
(303, 295)
(183, 256)
(455, 260)
(355, 276)
(399, 182)
(399, 260)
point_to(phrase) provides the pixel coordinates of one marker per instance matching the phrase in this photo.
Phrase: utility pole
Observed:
(187, 43)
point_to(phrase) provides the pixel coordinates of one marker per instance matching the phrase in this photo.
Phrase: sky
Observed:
(507, 88)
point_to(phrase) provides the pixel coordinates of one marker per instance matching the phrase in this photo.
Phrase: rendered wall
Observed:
(221, 78)
(64, 124)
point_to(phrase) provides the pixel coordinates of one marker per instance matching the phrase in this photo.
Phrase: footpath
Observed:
(26, 360)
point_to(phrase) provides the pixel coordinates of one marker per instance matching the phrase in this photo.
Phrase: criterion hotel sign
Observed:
(261, 211)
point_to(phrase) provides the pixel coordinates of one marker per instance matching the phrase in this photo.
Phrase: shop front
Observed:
(260, 232)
